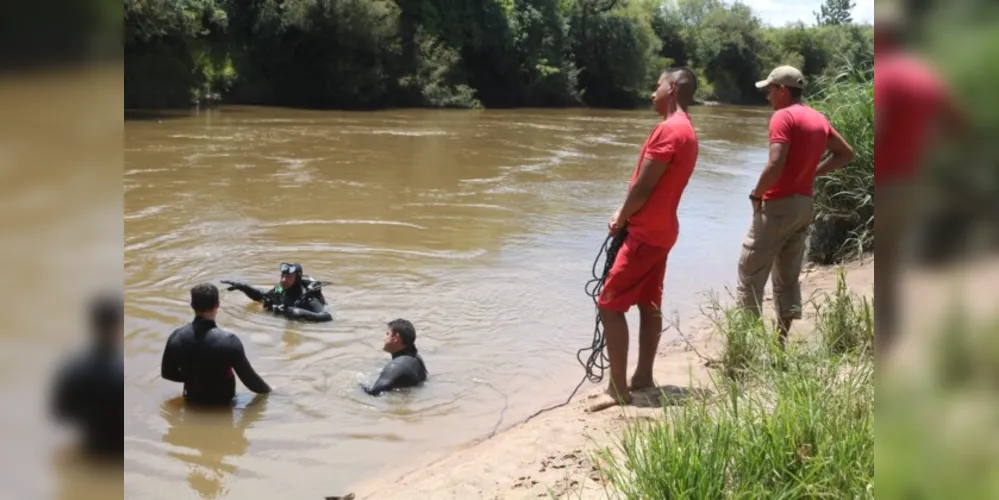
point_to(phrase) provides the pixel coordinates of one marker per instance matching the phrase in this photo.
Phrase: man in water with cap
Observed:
(296, 296)
(782, 199)
(406, 368)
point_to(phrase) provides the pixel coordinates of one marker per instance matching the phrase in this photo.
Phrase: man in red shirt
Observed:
(782, 200)
(909, 101)
(649, 211)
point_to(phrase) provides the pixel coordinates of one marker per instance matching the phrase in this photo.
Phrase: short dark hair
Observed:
(404, 329)
(796, 92)
(683, 71)
(204, 297)
(689, 89)
(107, 312)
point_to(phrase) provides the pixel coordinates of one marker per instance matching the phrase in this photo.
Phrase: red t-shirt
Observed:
(805, 131)
(907, 97)
(673, 142)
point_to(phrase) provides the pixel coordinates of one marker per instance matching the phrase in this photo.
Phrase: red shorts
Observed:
(636, 277)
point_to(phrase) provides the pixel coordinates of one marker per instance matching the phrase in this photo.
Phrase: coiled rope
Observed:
(597, 362)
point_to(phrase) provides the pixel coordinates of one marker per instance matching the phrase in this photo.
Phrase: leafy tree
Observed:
(835, 13)
(366, 54)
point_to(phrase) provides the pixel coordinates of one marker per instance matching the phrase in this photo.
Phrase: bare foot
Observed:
(607, 399)
(641, 384)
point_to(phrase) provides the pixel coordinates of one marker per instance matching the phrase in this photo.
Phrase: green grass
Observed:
(845, 322)
(802, 427)
(937, 417)
(844, 200)
(747, 340)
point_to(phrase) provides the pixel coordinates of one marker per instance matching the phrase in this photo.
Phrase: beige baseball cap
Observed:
(890, 16)
(788, 76)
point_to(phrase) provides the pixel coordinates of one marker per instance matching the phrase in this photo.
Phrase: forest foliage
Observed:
(367, 54)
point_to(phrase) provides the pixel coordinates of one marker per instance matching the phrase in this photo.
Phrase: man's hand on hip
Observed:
(757, 203)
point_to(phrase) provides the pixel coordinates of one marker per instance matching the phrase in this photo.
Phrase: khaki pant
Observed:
(891, 227)
(775, 242)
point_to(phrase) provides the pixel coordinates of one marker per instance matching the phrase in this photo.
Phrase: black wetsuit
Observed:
(87, 392)
(204, 358)
(302, 301)
(405, 370)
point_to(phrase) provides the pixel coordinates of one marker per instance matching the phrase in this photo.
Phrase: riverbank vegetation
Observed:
(843, 228)
(365, 54)
(794, 424)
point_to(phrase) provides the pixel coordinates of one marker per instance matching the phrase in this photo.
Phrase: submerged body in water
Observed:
(88, 386)
(296, 296)
(205, 358)
(406, 368)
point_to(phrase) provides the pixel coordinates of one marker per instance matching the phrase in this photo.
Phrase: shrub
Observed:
(803, 429)
(844, 200)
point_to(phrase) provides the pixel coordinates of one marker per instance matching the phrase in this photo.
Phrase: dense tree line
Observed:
(463, 53)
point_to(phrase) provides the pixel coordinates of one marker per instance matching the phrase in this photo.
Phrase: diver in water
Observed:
(295, 297)
(406, 368)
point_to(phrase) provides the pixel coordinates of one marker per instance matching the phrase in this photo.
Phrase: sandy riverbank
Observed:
(549, 455)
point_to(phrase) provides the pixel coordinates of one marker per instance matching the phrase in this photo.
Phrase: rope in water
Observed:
(597, 362)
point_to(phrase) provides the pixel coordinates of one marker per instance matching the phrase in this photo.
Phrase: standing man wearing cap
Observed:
(782, 199)
(912, 109)
(406, 368)
(296, 296)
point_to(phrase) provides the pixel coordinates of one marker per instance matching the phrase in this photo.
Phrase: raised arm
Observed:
(254, 294)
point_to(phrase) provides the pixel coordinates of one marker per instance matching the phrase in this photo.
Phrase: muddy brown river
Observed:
(480, 227)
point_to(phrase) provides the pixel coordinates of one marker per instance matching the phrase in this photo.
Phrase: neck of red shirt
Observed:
(673, 109)
(883, 49)
(793, 103)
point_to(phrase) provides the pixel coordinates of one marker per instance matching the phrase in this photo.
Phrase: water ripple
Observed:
(342, 222)
(480, 228)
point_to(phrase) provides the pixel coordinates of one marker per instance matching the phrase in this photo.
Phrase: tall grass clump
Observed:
(844, 200)
(937, 414)
(845, 322)
(746, 340)
(803, 429)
